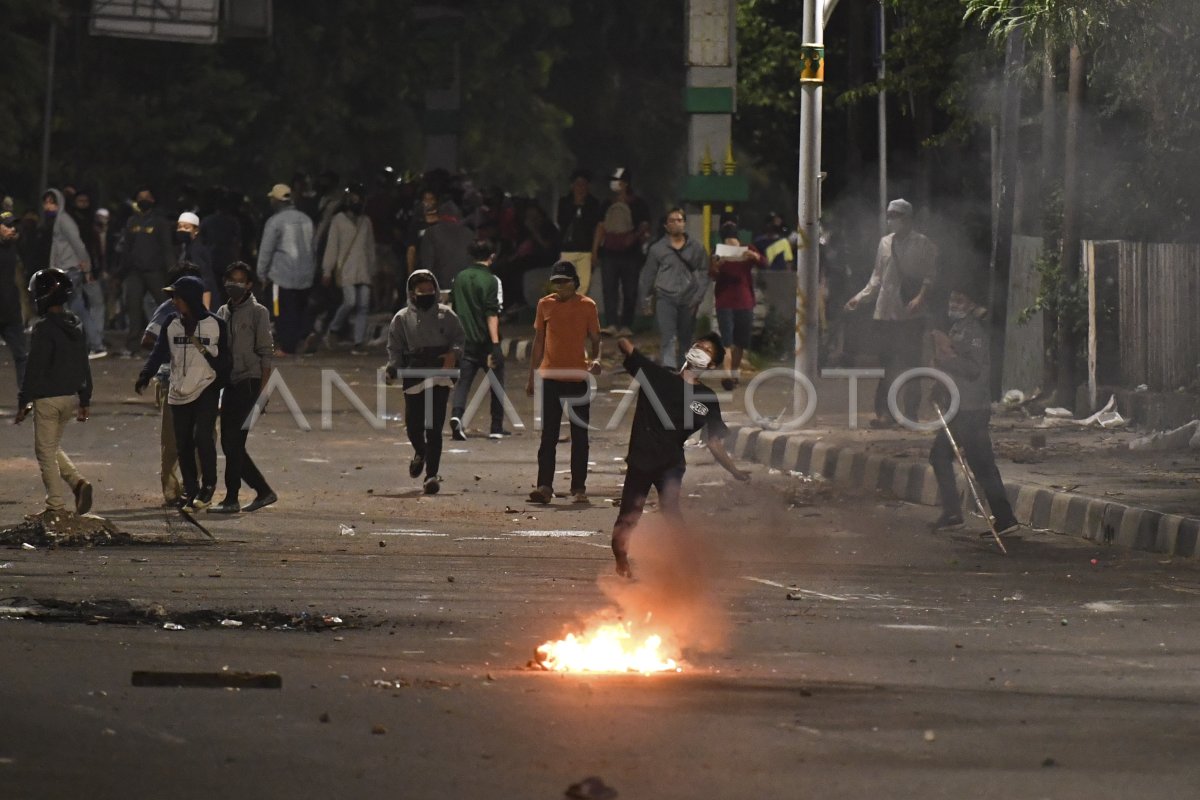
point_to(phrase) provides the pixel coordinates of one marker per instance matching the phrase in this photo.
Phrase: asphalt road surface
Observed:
(863, 656)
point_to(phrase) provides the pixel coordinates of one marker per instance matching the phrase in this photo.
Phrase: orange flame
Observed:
(610, 647)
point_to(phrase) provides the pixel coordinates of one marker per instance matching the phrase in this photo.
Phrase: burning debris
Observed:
(611, 647)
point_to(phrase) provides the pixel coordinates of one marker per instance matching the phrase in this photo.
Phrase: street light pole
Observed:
(808, 301)
(44, 176)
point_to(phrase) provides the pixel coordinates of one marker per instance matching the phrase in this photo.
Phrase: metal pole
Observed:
(807, 275)
(883, 126)
(44, 176)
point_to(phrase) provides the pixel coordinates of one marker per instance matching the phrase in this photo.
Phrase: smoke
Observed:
(676, 590)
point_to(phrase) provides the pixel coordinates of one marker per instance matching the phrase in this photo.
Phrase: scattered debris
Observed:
(1107, 417)
(378, 730)
(324, 717)
(930, 736)
(62, 530)
(224, 679)
(125, 612)
(172, 626)
(346, 530)
(591, 788)
(1049, 762)
(1185, 436)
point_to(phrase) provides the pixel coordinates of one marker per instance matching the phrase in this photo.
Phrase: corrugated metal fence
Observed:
(1157, 310)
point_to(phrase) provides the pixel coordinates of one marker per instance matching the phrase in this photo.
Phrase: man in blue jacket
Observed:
(285, 262)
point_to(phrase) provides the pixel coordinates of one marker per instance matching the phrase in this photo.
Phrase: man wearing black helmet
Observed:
(59, 385)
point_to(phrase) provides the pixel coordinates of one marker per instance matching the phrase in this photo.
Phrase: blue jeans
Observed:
(676, 324)
(357, 299)
(87, 303)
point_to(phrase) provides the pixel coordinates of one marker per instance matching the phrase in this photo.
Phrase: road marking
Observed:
(551, 534)
(764, 582)
(822, 595)
(407, 532)
(915, 627)
(1105, 606)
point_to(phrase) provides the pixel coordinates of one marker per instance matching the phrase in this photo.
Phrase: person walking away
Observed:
(733, 296)
(905, 269)
(963, 354)
(475, 298)
(147, 257)
(172, 486)
(566, 348)
(58, 387)
(617, 247)
(381, 207)
(193, 250)
(424, 335)
(93, 290)
(12, 326)
(285, 263)
(674, 280)
(350, 262)
(69, 254)
(251, 349)
(671, 406)
(578, 215)
(445, 244)
(197, 345)
(221, 232)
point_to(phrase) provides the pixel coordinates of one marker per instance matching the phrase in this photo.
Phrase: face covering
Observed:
(182, 237)
(50, 214)
(145, 205)
(356, 208)
(698, 359)
(424, 301)
(236, 291)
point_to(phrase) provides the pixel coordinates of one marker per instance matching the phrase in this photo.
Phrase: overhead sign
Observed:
(194, 21)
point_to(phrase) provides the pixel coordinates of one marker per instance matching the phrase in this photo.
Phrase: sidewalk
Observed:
(1083, 482)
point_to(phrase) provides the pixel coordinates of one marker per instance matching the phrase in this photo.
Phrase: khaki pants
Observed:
(583, 265)
(50, 418)
(171, 487)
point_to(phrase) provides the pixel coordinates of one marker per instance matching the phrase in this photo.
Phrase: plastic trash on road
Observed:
(1183, 437)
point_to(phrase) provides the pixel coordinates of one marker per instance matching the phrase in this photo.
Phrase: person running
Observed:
(566, 348)
(58, 382)
(962, 353)
(251, 348)
(424, 336)
(197, 345)
(671, 406)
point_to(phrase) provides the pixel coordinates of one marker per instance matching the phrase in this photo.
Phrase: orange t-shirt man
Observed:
(567, 325)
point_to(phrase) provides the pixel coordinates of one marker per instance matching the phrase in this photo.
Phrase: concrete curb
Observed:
(1068, 513)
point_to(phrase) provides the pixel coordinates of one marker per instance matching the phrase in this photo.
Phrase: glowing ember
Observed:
(607, 648)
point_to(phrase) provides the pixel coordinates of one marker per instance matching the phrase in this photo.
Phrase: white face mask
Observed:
(614, 185)
(698, 359)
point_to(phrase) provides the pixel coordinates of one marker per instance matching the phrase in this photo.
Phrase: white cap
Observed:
(900, 207)
(189, 218)
(102, 213)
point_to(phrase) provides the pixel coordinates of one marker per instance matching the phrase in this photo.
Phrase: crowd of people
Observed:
(223, 302)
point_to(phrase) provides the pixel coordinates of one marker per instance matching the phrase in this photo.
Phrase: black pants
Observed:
(638, 482)
(474, 361)
(236, 404)
(553, 395)
(134, 288)
(426, 433)
(195, 430)
(970, 429)
(14, 334)
(620, 281)
(294, 323)
(899, 350)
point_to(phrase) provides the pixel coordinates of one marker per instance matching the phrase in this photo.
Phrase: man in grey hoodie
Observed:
(675, 278)
(251, 348)
(424, 339)
(68, 253)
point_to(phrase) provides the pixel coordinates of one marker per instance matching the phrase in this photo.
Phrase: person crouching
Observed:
(197, 345)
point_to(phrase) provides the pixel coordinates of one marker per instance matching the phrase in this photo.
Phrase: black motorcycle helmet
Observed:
(49, 287)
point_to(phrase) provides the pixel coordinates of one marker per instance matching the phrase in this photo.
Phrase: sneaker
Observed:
(416, 465)
(608, 330)
(457, 432)
(101, 353)
(327, 341)
(499, 433)
(226, 506)
(83, 497)
(579, 497)
(203, 498)
(433, 484)
(625, 331)
(542, 495)
(948, 522)
(729, 384)
(309, 346)
(262, 501)
(358, 350)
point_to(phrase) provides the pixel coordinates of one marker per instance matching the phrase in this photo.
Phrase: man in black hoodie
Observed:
(61, 378)
(11, 328)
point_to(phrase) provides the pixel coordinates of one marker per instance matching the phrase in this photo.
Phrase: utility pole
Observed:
(808, 300)
(44, 175)
(881, 74)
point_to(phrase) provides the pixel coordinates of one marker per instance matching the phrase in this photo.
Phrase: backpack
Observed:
(619, 231)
